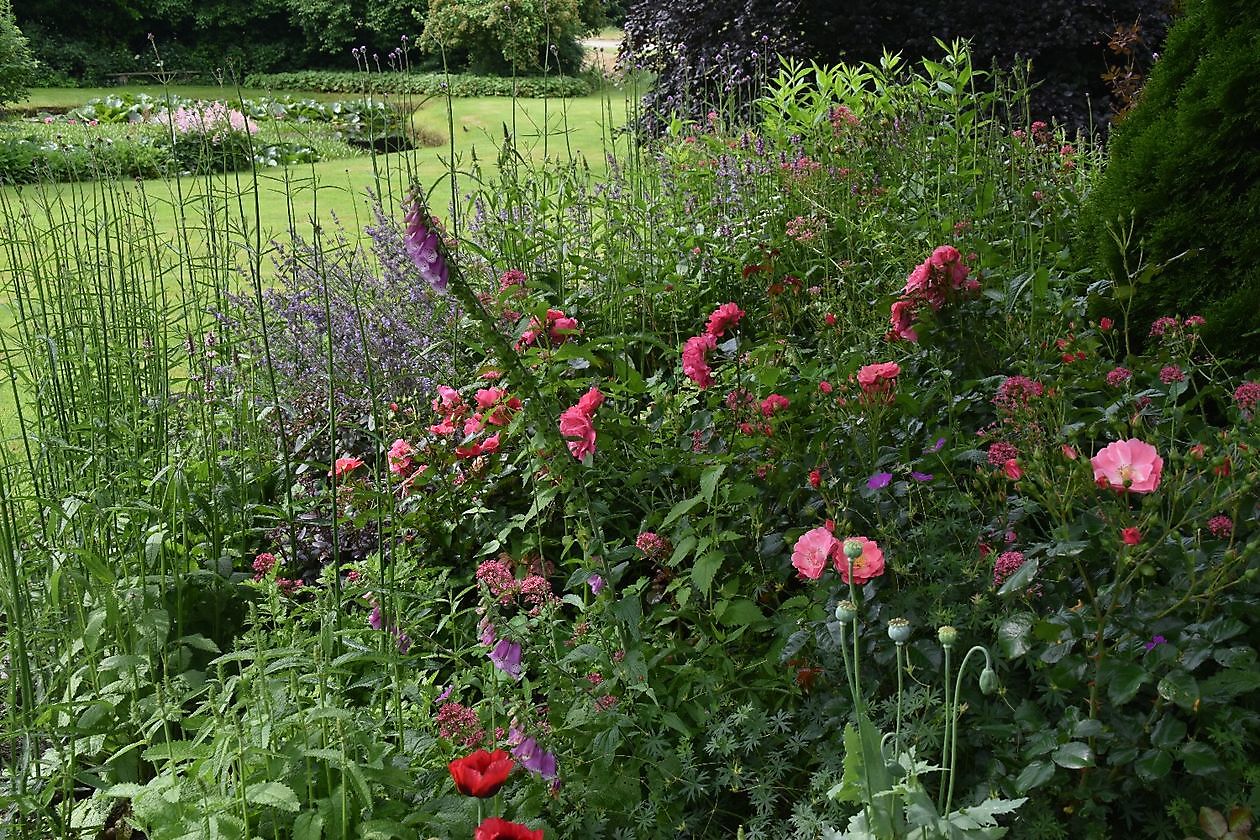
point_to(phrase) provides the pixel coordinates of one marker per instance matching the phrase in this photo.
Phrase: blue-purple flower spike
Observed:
(424, 245)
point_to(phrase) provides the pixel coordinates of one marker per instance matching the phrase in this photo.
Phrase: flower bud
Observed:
(988, 681)
(852, 549)
(947, 635)
(899, 630)
(846, 611)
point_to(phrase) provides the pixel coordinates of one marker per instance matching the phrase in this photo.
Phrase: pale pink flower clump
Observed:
(654, 545)
(868, 565)
(577, 423)
(1006, 565)
(695, 359)
(1131, 465)
(1016, 392)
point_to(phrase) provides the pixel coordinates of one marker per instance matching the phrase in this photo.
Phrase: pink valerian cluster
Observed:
(1007, 564)
(498, 578)
(512, 278)
(803, 229)
(818, 546)
(842, 118)
(1170, 374)
(460, 723)
(1247, 398)
(1006, 456)
(263, 564)
(1016, 393)
(1221, 526)
(215, 119)
(654, 546)
(695, 353)
(932, 283)
(1132, 465)
(577, 424)
(557, 328)
(423, 243)
(536, 592)
(1117, 376)
(878, 381)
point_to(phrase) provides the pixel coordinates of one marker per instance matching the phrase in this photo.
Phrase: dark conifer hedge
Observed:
(1185, 167)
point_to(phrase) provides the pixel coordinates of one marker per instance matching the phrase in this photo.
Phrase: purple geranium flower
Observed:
(534, 758)
(879, 480)
(921, 476)
(1156, 642)
(596, 583)
(506, 656)
(424, 246)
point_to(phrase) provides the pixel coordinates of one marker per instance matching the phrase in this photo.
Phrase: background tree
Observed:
(17, 66)
(505, 36)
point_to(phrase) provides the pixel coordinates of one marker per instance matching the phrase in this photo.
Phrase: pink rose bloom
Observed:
(902, 320)
(487, 397)
(723, 318)
(344, 465)
(878, 379)
(447, 400)
(868, 566)
(578, 429)
(591, 400)
(1132, 465)
(772, 404)
(695, 359)
(812, 550)
(400, 453)
(491, 444)
(560, 326)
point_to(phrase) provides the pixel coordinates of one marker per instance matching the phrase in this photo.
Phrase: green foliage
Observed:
(506, 38)
(422, 84)
(1184, 180)
(17, 66)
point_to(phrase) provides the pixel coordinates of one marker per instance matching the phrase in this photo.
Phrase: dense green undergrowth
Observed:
(570, 468)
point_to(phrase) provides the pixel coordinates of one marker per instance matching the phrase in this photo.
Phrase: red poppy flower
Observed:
(481, 774)
(494, 828)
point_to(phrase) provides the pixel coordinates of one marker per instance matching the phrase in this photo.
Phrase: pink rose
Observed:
(695, 359)
(869, 565)
(1131, 465)
(878, 379)
(723, 318)
(812, 550)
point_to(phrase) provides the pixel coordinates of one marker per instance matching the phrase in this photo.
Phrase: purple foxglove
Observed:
(424, 247)
(506, 656)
